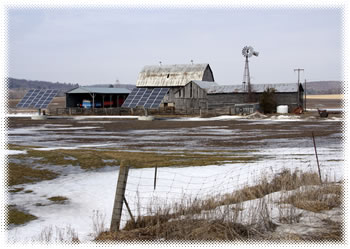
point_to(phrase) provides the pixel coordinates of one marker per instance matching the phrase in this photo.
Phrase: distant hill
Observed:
(18, 87)
(324, 87)
(127, 86)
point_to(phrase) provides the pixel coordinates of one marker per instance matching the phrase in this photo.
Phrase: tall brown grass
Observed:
(178, 221)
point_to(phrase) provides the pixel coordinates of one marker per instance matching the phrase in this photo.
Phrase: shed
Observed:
(189, 97)
(290, 94)
(99, 97)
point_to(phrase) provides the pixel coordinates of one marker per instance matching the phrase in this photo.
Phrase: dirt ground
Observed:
(324, 103)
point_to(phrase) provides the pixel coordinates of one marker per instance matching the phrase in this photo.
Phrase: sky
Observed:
(106, 45)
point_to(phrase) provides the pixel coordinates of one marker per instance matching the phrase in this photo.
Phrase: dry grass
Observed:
(317, 199)
(58, 235)
(178, 222)
(188, 229)
(58, 199)
(286, 180)
(19, 174)
(90, 159)
(18, 217)
(326, 96)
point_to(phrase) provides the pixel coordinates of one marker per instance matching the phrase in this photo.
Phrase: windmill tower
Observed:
(247, 52)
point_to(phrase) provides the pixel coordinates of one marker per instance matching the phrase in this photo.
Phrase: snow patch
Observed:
(73, 147)
(102, 117)
(21, 114)
(15, 152)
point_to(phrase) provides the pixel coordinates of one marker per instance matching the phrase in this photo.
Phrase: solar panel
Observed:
(146, 97)
(37, 98)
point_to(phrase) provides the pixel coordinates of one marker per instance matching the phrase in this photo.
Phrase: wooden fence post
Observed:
(119, 197)
(318, 164)
(155, 178)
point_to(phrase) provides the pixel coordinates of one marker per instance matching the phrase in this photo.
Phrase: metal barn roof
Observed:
(171, 75)
(100, 90)
(258, 88)
(205, 84)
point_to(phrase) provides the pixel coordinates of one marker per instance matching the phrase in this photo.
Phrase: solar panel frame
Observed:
(37, 98)
(146, 97)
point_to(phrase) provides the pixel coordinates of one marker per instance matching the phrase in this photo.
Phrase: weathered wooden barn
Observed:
(231, 95)
(187, 84)
(99, 97)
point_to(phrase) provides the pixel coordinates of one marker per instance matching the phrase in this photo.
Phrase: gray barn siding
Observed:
(183, 100)
(230, 99)
(224, 99)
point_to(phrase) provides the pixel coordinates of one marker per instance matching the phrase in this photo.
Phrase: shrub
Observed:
(267, 101)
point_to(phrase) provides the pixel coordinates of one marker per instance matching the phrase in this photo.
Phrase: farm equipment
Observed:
(298, 110)
(86, 104)
(324, 112)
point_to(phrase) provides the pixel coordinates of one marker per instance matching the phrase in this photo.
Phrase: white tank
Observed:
(282, 109)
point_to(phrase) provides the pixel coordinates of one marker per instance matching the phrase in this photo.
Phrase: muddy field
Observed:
(132, 134)
(315, 103)
(58, 166)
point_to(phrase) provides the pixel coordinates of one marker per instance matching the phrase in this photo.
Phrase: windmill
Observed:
(247, 52)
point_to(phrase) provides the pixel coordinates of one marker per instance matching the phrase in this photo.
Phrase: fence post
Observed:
(318, 164)
(119, 197)
(155, 178)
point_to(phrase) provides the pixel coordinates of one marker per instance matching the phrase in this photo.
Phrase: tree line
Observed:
(18, 87)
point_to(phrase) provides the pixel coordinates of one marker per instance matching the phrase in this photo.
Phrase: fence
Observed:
(150, 191)
(212, 111)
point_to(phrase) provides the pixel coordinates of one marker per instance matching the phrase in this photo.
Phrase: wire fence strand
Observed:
(180, 185)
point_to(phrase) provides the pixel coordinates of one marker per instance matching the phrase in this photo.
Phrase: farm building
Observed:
(99, 97)
(232, 95)
(186, 83)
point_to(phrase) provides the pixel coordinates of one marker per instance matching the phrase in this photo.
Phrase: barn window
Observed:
(180, 93)
(191, 90)
(184, 93)
(168, 75)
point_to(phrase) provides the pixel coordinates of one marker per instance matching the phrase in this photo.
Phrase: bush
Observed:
(267, 101)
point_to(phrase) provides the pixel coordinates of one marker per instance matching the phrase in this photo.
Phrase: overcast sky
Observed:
(99, 46)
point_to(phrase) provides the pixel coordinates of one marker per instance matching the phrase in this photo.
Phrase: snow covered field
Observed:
(92, 191)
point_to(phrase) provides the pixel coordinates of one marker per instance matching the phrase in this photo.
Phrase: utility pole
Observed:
(305, 95)
(298, 70)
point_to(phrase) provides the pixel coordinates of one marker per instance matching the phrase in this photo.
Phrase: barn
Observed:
(232, 95)
(97, 97)
(187, 84)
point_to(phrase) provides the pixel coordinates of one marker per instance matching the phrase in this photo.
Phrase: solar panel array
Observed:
(146, 97)
(37, 98)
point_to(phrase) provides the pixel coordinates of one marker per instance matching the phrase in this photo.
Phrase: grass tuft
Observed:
(58, 199)
(20, 174)
(17, 217)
